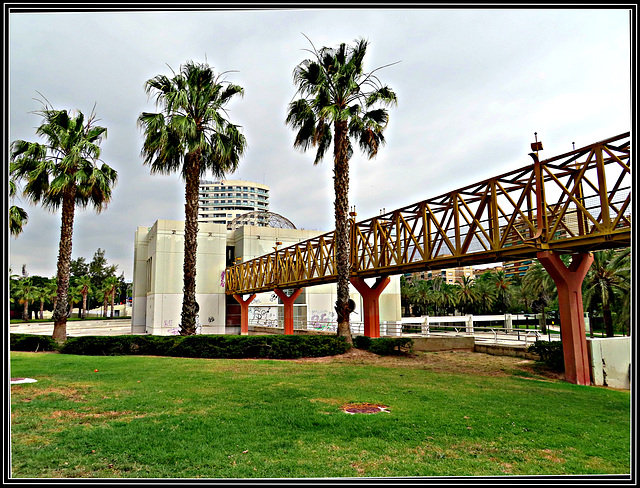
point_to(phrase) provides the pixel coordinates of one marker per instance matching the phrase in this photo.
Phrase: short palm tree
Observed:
(74, 296)
(339, 103)
(64, 173)
(110, 285)
(52, 291)
(607, 281)
(41, 295)
(466, 294)
(503, 291)
(84, 284)
(191, 135)
(18, 217)
(25, 291)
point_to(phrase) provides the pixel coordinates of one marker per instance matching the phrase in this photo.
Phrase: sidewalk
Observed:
(106, 327)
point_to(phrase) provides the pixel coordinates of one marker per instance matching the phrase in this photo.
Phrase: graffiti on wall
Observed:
(263, 315)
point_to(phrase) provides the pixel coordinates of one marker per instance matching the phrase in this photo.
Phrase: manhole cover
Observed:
(18, 381)
(368, 408)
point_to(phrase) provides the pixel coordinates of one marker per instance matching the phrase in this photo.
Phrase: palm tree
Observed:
(485, 295)
(41, 294)
(337, 95)
(52, 291)
(191, 135)
(466, 294)
(84, 284)
(607, 278)
(110, 285)
(26, 292)
(541, 289)
(74, 296)
(503, 291)
(64, 173)
(18, 217)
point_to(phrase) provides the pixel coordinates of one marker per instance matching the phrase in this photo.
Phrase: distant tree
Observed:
(79, 267)
(74, 297)
(84, 285)
(607, 281)
(63, 173)
(191, 135)
(110, 285)
(466, 295)
(339, 103)
(41, 295)
(99, 269)
(52, 291)
(25, 292)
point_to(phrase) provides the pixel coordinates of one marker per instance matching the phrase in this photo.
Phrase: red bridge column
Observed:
(569, 283)
(371, 304)
(288, 307)
(244, 312)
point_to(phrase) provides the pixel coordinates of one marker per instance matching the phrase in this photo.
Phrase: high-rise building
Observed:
(219, 202)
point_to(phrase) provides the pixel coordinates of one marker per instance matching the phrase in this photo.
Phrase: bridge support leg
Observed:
(244, 312)
(371, 304)
(288, 307)
(572, 328)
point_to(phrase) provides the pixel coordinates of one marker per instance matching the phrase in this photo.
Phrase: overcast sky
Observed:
(473, 86)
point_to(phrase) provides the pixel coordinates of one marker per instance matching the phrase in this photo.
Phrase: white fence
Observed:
(459, 325)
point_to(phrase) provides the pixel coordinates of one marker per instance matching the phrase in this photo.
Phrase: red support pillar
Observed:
(371, 304)
(569, 283)
(244, 312)
(288, 307)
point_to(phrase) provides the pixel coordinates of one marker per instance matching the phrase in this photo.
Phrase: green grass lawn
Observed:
(449, 414)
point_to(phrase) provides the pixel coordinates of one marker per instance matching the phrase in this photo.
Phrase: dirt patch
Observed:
(457, 361)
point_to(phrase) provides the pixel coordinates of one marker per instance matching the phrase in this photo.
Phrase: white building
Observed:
(158, 280)
(219, 202)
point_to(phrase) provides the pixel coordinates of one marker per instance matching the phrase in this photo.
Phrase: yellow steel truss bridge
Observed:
(574, 202)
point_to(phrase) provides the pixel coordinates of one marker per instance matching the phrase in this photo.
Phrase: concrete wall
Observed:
(610, 361)
(158, 279)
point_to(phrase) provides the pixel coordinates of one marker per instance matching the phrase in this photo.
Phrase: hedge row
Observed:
(208, 346)
(550, 352)
(383, 346)
(31, 342)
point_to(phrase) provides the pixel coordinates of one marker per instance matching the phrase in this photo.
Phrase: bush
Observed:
(383, 346)
(208, 346)
(551, 354)
(31, 342)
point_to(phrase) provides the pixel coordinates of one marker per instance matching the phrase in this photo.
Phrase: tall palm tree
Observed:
(485, 295)
(84, 284)
(64, 173)
(541, 288)
(339, 103)
(191, 135)
(18, 217)
(607, 278)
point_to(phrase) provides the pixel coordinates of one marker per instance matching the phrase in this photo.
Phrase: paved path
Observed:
(78, 328)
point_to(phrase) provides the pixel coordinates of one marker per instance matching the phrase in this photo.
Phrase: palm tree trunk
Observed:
(84, 305)
(25, 311)
(189, 305)
(64, 260)
(608, 320)
(341, 244)
(41, 309)
(113, 292)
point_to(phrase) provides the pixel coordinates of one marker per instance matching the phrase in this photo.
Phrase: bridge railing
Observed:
(584, 202)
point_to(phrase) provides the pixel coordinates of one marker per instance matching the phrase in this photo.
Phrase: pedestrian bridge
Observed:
(574, 203)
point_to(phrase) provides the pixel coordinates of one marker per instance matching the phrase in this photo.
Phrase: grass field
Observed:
(449, 414)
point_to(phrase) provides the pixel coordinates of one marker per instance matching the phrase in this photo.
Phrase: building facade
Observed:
(219, 202)
(158, 280)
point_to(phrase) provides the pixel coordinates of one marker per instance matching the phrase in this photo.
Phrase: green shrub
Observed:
(208, 346)
(383, 346)
(31, 342)
(550, 352)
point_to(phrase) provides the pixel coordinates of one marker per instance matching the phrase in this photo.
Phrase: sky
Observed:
(473, 86)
